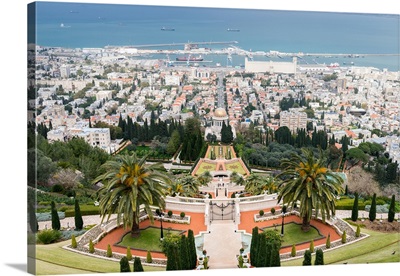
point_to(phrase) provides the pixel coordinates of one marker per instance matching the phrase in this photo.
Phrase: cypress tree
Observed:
(254, 246)
(124, 265)
(307, 258)
(372, 211)
(262, 248)
(192, 249)
(268, 254)
(319, 257)
(328, 241)
(293, 252)
(55, 220)
(391, 209)
(33, 223)
(275, 257)
(184, 254)
(78, 216)
(354, 212)
(172, 258)
(137, 265)
(129, 253)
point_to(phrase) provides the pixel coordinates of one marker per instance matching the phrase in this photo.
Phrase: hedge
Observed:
(347, 204)
(86, 210)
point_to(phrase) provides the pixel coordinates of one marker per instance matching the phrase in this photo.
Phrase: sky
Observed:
(13, 138)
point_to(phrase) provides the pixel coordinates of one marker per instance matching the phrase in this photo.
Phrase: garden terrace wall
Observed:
(185, 204)
(258, 202)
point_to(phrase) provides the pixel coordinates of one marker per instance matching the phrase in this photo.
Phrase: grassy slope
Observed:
(54, 257)
(377, 248)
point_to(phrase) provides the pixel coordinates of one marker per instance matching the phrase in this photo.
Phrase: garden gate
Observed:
(222, 210)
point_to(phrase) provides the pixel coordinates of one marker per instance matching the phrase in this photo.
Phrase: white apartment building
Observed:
(293, 120)
(104, 94)
(65, 71)
(172, 80)
(96, 137)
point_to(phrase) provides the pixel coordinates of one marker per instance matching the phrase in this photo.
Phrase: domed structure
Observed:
(220, 113)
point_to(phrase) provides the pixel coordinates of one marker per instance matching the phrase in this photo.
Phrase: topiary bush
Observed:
(73, 242)
(319, 257)
(91, 247)
(169, 213)
(307, 258)
(358, 231)
(129, 253)
(137, 265)
(328, 241)
(149, 259)
(312, 246)
(109, 251)
(182, 215)
(124, 265)
(344, 237)
(293, 252)
(48, 236)
(273, 211)
(261, 213)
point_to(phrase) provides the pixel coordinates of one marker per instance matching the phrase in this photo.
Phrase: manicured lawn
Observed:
(294, 235)
(376, 248)
(235, 167)
(149, 239)
(205, 166)
(53, 259)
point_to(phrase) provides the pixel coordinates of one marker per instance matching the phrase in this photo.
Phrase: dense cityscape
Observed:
(231, 142)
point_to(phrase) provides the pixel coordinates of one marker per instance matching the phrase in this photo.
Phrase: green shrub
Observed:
(149, 259)
(55, 219)
(124, 265)
(372, 210)
(109, 251)
(182, 215)
(293, 253)
(73, 242)
(273, 211)
(78, 216)
(344, 237)
(169, 213)
(57, 188)
(261, 213)
(91, 247)
(48, 236)
(129, 253)
(86, 210)
(328, 241)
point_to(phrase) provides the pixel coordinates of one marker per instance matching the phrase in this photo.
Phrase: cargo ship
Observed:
(199, 58)
(233, 30)
(167, 29)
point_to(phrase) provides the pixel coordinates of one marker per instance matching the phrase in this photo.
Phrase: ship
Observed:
(167, 29)
(199, 58)
(232, 30)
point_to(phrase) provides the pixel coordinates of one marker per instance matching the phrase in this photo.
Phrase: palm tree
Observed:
(205, 178)
(257, 184)
(188, 184)
(129, 184)
(305, 178)
(237, 178)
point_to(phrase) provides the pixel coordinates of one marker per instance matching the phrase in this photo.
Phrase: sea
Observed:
(88, 25)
